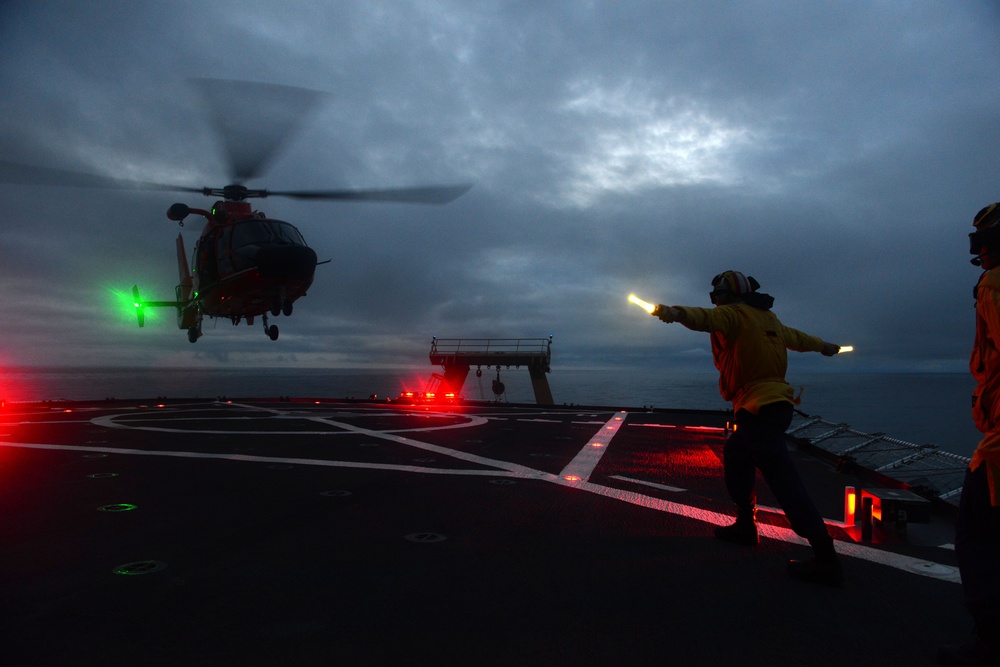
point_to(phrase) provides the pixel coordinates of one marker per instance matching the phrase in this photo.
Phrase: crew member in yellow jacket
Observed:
(749, 345)
(977, 526)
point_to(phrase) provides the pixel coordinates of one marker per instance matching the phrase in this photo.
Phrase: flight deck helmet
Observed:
(733, 284)
(986, 238)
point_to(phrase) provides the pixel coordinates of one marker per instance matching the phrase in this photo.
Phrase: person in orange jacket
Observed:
(749, 346)
(977, 527)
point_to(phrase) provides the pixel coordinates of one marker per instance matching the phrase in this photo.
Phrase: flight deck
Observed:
(317, 532)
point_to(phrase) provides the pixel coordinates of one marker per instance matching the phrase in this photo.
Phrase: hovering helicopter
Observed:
(244, 264)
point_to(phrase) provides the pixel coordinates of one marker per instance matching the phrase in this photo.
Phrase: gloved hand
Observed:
(829, 349)
(667, 314)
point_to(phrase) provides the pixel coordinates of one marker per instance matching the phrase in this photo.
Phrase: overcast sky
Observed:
(835, 151)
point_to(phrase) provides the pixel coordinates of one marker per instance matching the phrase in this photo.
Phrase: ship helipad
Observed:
(314, 532)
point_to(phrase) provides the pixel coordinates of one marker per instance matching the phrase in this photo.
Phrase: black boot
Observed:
(823, 568)
(743, 531)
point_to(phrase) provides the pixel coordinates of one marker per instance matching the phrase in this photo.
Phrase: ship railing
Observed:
(498, 346)
(531, 352)
(924, 468)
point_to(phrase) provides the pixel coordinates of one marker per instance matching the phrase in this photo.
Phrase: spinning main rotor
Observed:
(252, 121)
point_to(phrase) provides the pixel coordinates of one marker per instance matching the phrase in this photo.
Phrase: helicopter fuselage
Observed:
(252, 266)
(244, 265)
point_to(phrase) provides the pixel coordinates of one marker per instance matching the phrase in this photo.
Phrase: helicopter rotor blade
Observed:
(29, 174)
(254, 121)
(431, 194)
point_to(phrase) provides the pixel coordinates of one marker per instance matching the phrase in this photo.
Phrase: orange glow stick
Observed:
(846, 348)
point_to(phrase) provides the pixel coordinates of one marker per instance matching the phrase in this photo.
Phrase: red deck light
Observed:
(876, 504)
(850, 505)
(896, 506)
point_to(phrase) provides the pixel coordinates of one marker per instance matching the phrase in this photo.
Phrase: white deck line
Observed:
(583, 464)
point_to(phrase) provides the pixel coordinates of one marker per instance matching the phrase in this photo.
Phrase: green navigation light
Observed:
(128, 307)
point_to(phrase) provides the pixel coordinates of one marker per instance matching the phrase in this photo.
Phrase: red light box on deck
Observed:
(897, 507)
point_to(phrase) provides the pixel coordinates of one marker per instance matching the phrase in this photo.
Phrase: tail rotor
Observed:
(140, 309)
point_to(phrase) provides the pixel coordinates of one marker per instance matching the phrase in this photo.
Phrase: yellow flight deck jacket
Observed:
(748, 346)
(985, 367)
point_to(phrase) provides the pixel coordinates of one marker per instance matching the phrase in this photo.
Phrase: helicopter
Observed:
(244, 264)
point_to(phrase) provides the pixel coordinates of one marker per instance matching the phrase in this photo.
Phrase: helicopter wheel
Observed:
(272, 332)
(286, 308)
(276, 309)
(193, 334)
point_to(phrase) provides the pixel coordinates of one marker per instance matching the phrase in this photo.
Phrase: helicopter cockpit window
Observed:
(265, 232)
(286, 233)
(250, 232)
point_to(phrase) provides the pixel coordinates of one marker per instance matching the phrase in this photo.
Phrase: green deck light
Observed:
(117, 507)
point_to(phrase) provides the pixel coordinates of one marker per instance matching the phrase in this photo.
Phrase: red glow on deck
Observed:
(572, 478)
(700, 459)
(18, 385)
(681, 427)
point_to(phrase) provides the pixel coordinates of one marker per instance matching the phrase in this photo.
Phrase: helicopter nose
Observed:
(291, 262)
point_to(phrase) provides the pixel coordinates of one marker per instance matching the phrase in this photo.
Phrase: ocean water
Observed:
(922, 408)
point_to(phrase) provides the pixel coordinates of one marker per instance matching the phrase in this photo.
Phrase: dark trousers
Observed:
(977, 546)
(759, 444)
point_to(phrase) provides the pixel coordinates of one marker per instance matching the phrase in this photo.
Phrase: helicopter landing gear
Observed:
(282, 308)
(271, 331)
(194, 331)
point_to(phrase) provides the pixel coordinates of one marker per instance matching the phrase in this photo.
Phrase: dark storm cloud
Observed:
(837, 152)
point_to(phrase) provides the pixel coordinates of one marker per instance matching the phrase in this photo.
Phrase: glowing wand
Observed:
(645, 305)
